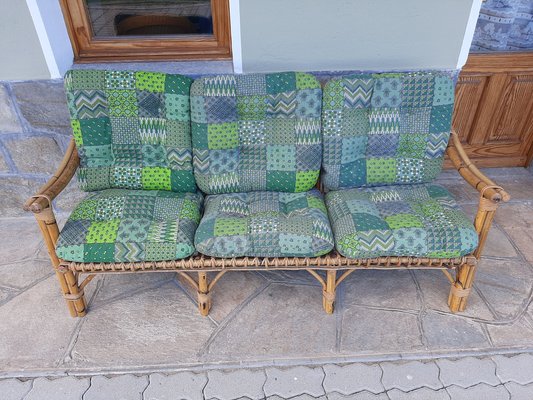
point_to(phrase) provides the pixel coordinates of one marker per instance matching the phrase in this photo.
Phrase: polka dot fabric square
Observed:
(383, 129)
(132, 129)
(257, 132)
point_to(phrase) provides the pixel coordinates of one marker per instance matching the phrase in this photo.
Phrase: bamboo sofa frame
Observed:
(72, 287)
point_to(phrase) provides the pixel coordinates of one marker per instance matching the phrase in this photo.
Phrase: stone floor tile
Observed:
(67, 388)
(352, 378)
(468, 371)
(515, 215)
(290, 382)
(522, 238)
(229, 385)
(15, 191)
(36, 154)
(410, 376)
(11, 232)
(170, 330)
(6, 293)
(481, 391)
(14, 389)
(519, 392)
(446, 331)
(518, 333)
(299, 397)
(69, 197)
(363, 331)
(291, 277)
(517, 369)
(498, 244)
(122, 387)
(282, 321)
(419, 394)
(357, 396)
(22, 274)
(9, 121)
(390, 289)
(182, 385)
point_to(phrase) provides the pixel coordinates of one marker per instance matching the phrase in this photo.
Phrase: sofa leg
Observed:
(460, 289)
(76, 295)
(328, 294)
(204, 297)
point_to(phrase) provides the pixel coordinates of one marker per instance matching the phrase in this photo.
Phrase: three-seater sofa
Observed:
(261, 172)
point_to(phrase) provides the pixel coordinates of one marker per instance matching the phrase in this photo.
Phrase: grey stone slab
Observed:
(36, 328)
(357, 396)
(419, 394)
(468, 371)
(14, 389)
(229, 385)
(69, 197)
(299, 397)
(498, 244)
(515, 334)
(282, 321)
(290, 382)
(15, 192)
(435, 289)
(390, 289)
(515, 215)
(122, 387)
(522, 238)
(481, 391)
(154, 327)
(43, 104)
(3, 164)
(11, 232)
(364, 331)
(519, 392)
(291, 277)
(24, 273)
(5, 293)
(517, 369)
(36, 154)
(9, 121)
(67, 388)
(183, 385)
(229, 292)
(446, 331)
(410, 376)
(352, 378)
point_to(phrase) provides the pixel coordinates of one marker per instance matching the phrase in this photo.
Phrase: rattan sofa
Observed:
(371, 209)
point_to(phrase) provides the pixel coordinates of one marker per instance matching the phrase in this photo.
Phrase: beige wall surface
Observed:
(316, 35)
(20, 51)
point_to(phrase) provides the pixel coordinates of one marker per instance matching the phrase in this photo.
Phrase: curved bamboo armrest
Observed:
(471, 174)
(56, 183)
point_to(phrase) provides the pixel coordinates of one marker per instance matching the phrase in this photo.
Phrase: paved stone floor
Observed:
(267, 335)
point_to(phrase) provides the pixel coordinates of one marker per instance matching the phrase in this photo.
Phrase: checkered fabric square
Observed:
(120, 225)
(258, 132)
(385, 129)
(410, 220)
(264, 224)
(132, 129)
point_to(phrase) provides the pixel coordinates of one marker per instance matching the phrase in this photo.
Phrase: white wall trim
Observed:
(469, 33)
(46, 47)
(236, 45)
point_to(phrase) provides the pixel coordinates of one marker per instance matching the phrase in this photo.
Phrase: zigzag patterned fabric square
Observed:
(120, 225)
(411, 220)
(132, 129)
(257, 132)
(264, 224)
(385, 129)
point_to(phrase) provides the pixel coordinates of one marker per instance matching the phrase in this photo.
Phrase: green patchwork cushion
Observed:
(409, 220)
(132, 129)
(258, 132)
(118, 225)
(264, 224)
(385, 129)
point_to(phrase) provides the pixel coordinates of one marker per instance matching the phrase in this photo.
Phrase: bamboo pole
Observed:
(328, 294)
(204, 299)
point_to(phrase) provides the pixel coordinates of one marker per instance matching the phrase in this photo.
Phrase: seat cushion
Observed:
(264, 224)
(258, 132)
(132, 129)
(409, 220)
(385, 129)
(118, 225)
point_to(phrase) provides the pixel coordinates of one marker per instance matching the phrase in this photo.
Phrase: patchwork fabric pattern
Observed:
(264, 224)
(385, 129)
(132, 129)
(119, 225)
(258, 132)
(409, 220)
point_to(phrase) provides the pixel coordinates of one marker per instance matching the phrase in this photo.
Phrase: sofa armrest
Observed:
(56, 183)
(471, 174)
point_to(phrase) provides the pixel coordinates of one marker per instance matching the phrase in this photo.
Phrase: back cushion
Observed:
(132, 129)
(385, 129)
(258, 132)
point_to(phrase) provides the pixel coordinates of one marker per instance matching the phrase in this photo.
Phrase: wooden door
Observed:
(494, 109)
